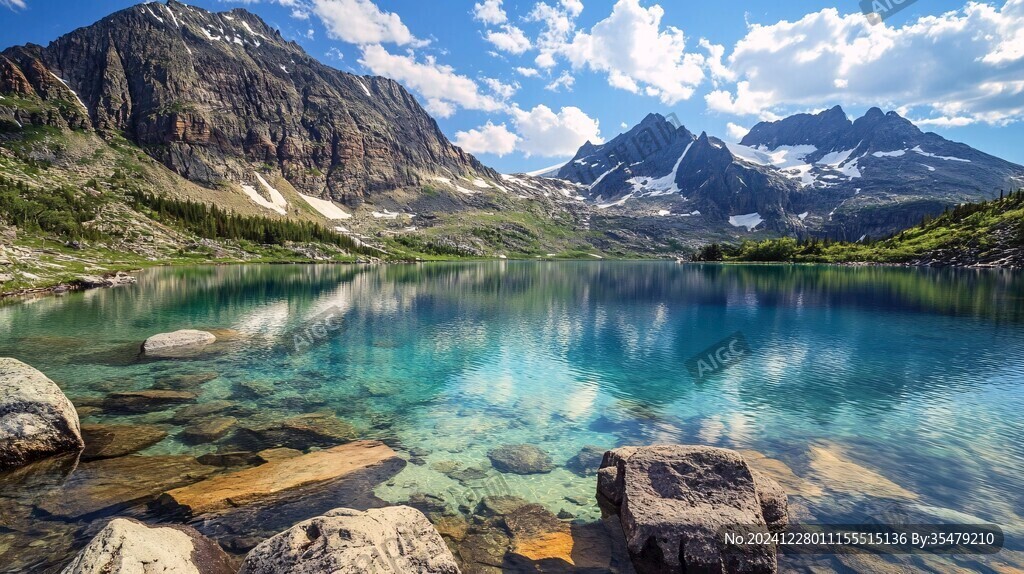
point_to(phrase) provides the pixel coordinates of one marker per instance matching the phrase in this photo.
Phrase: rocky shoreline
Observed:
(276, 510)
(298, 494)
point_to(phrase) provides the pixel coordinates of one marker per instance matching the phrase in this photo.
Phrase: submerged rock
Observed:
(301, 432)
(126, 546)
(208, 430)
(520, 459)
(397, 540)
(145, 401)
(111, 441)
(672, 502)
(539, 535)
(587, 461)
(269, 480)
(186, 382)
(833, 467)
(171, 344)
(113, 484)
(190, 413)
(254, 389)
(36, 419)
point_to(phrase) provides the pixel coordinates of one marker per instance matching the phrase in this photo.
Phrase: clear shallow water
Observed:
(916, 376)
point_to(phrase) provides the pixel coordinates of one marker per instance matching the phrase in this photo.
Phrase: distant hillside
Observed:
(983, 234)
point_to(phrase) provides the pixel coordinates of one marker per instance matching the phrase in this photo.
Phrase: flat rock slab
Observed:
(114, 484)
(111, 441)
(36, 419)
(393, 540)
(247, 486)
(242, 528)
(126, 546)
(173, 344)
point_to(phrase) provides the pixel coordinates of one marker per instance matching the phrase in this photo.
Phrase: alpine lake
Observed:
(870, 393)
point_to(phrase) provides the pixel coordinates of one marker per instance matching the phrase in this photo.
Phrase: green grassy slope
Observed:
(989, 233)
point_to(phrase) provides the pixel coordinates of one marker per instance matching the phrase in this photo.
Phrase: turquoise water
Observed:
(916, 376)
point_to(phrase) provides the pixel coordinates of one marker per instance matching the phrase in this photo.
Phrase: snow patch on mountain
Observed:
(664, 185)
(749, 220)
(918, 149)
(326, 208)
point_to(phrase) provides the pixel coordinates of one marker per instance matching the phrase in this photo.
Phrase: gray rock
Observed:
(171, 344)
(36, 419)
(520, 459)
(127, 546)
(773, 500)
(672, 502)
(5, 277)
(397, 539)
(97, 281)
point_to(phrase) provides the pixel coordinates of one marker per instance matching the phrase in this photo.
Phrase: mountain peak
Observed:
(819, 130)
(874, 113)
(215, 95)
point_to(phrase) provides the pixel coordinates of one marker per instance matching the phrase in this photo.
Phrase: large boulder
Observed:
(126, 546)
(172, 344)
(674, 501)
(36, 419)
(398, 540)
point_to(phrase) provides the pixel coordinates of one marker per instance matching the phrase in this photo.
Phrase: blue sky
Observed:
(522, 83)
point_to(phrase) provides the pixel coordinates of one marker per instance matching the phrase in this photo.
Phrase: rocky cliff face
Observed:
(214, 96)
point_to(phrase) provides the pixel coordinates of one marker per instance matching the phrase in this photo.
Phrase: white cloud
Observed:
(299, 14)
(637, 54)
(946, 122)
(14, 4)
(573, 7)
(528, 72)
(565, 81)
(960, 67)
(362, 22)
(545, 60)
(559, 23)
(489, 12)
(511, 40)
(735, 132)
(545, 133)
(501, 89)
(443, 89)
(489, 138)
(746, 102)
